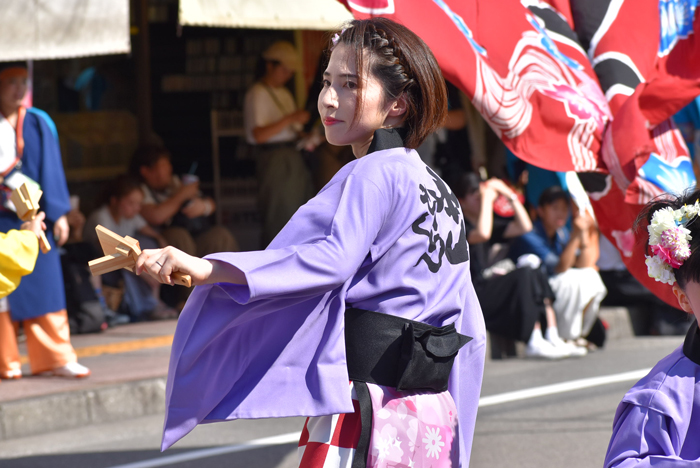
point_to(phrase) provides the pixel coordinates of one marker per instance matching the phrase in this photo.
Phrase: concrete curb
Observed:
(61, 411)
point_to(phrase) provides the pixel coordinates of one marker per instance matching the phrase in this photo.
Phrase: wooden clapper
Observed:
(122, 252)
(26, 201)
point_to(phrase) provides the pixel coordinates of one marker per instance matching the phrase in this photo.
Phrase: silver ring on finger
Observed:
(159, 264)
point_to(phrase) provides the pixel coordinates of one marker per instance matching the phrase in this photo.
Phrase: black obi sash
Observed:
(394, 352)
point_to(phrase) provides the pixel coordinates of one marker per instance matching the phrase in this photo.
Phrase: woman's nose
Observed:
(328, 98)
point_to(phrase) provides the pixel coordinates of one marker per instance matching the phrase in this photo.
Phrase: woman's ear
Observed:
(398, 107)
(683, 301)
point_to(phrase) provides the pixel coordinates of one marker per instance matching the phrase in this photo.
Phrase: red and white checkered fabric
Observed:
(330, 441)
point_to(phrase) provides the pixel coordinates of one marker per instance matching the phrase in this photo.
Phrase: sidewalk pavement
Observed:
(129, 365)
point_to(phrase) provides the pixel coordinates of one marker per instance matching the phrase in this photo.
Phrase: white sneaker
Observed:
(569, 347)
(543, 349)
(72, 370)
(11, 374)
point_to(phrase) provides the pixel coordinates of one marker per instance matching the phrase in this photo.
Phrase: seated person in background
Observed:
(176, 209)
(121, 215)
(514, 301)
(570, 261)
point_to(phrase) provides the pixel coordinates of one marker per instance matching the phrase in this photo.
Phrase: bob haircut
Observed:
(403, 64)
(690, 270)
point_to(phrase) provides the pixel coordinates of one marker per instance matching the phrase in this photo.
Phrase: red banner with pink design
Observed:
(574, 85)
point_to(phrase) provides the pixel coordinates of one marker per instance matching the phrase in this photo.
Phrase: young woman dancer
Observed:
(658, 420)
(361, 313)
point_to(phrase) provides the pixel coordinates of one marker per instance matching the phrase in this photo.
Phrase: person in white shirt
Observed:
(272, 125)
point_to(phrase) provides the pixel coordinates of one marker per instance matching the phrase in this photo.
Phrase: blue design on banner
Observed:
(461, 25)
(672, 177)
(676, 18)
(551, 47)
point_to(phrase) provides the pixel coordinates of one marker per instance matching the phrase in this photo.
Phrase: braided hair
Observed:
(404, 65)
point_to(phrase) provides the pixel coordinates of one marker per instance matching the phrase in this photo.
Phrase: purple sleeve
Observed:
(314, 268)
(643, 437)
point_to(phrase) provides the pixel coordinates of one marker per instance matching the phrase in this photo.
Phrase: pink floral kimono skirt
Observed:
(410, 429)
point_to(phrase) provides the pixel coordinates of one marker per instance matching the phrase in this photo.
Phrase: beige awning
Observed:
(264, 14)
(51, 29)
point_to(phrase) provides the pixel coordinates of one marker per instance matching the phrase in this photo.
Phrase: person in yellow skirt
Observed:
(18, 253)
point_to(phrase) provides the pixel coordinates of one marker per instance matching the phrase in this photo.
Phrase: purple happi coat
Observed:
(658, 421)
(385, 234)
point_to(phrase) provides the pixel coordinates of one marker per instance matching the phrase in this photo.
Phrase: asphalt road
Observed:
(562, 429)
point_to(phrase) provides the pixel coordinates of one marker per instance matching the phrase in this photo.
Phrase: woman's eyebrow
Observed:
(344, 75)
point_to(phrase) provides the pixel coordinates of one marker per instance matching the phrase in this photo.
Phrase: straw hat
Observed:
(283, 52)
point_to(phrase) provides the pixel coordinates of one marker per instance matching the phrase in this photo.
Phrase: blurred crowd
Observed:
(156, 207)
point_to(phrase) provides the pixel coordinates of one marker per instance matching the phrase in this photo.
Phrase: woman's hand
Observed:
(61, 230)
(36, 225)
(161, 263)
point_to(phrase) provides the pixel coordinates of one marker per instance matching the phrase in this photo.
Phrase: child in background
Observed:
(658, 420)
(121, 215)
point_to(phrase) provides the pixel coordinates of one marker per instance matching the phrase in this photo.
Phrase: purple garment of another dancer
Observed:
(385, 234)
(658, 421)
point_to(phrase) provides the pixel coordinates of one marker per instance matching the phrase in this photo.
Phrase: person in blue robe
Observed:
(29, 152)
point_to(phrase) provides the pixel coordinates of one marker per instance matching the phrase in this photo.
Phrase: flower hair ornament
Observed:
(669, 241)
(336, 37)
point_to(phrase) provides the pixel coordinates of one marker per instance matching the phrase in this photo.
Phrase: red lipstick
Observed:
(330, 121)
